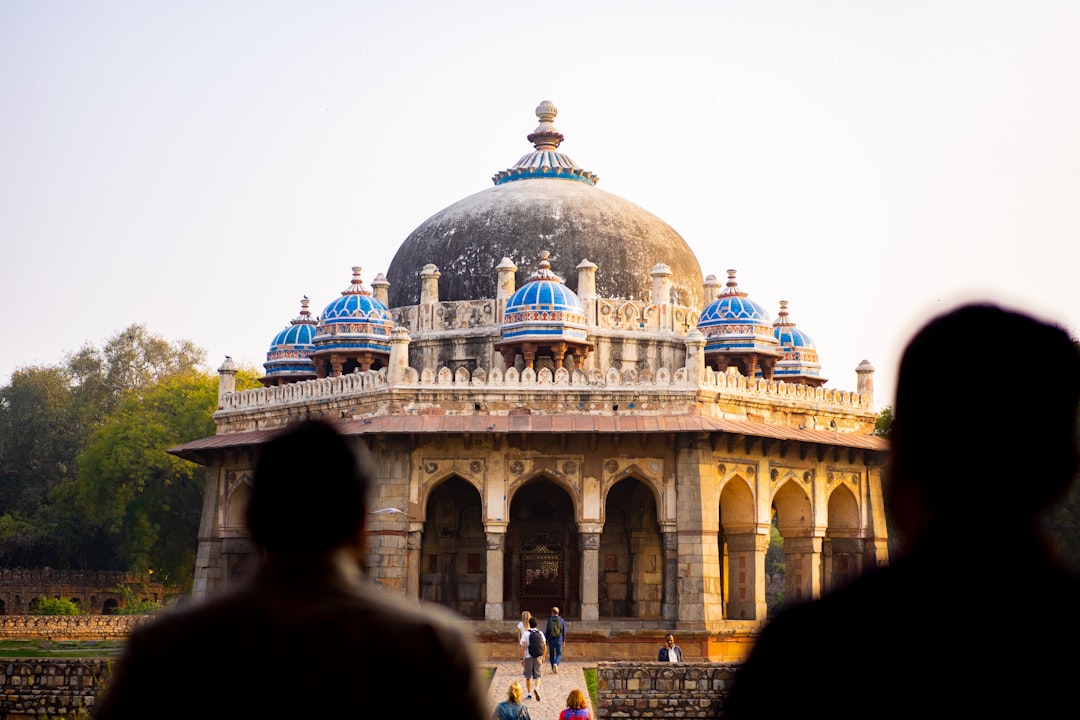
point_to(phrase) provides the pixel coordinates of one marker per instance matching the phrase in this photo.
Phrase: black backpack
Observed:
(536, 644)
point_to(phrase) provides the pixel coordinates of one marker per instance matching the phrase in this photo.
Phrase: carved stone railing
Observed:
(376, 381)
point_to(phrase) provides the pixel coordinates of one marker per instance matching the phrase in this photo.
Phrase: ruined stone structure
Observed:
(546, 435)
(96, 592)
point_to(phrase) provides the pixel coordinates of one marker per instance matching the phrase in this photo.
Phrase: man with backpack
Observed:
(556, 636)
(535, 648)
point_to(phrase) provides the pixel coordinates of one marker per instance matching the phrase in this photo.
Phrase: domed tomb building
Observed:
(564, 412)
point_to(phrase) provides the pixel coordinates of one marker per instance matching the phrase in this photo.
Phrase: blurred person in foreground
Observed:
(975, 617)
(308, 636)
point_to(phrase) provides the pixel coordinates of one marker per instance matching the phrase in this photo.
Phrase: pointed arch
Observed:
(631, 557)
(542, 562)
(453, 548)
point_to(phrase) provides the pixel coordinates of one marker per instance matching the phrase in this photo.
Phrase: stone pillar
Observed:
(426, 318)
(380, 289)
(865, 387)
(413, 542)
(586, 289)
(661, 284)
(496, 541)
(399, 356)
(670, 608)
(590, 575)
(712, 288)
(876, 548)
(803, 568)
(505, 287)
(745, 593)
(226, 378)
(697, 511)
(695, 357)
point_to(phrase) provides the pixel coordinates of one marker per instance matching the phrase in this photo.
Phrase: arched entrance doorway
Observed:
(542, 560)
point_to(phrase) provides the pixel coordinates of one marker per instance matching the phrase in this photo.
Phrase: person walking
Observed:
(556, 636)
(535, 646)
(306, 606)
(670, 652)
(983, 443)
(511, 708)
(523, 626)
(576, 707)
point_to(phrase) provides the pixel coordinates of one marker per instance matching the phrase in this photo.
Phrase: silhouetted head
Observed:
(985, 417)
(309, 491)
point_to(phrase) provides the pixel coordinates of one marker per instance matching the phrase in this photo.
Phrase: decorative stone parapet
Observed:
(661, 690)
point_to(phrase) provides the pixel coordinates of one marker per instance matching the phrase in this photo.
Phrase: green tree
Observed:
(148, 501)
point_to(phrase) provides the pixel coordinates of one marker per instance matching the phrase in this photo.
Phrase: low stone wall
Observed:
(50, 688)
(68, 627)
(661, 690)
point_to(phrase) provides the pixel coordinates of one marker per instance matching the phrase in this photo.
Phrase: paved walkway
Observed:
(553, 687)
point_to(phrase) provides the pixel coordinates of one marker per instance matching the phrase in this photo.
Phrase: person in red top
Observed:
(576, 707)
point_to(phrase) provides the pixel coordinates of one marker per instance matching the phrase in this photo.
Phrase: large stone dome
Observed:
(544, 203)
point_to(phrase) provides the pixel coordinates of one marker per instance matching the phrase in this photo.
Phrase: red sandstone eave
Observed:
(198, 450)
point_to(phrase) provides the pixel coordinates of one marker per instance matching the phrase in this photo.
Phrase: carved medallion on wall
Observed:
(430, 467)
(476, 466)
(611, 466)
(517, 467)
(569, 468)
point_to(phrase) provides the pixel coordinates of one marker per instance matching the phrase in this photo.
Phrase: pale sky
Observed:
(198, 167)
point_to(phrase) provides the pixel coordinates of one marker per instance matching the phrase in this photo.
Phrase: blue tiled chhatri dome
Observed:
(353, 332)
(544, 317)
(289, 357)
(799, 362)
(738, 332)
(544, 309)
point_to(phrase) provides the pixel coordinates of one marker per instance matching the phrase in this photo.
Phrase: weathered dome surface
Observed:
(536, 207)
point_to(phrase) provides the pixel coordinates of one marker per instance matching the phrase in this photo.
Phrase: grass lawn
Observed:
(60, 648)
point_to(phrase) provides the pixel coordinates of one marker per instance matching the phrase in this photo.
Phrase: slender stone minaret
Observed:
(399, 356)
(661, 284)
(506, 287)
(586, 289)
(380, 289)
(865, 386)
(429, 297)
(226, 378)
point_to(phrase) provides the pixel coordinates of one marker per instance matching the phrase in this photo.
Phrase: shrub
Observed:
(55, 606)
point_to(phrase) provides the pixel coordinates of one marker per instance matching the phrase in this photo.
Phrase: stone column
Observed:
(426, 318)
(698, 514)
(496, 541)
(712, 288)
(586, 289)
(661, 284)
(505, 286)
(380, 289)
(865, 386)
(746, 576)
(803, 568)
(670, 609)
(399, 356)
(413, 542)
(695, 357)
(226, 378)
(590, 575)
